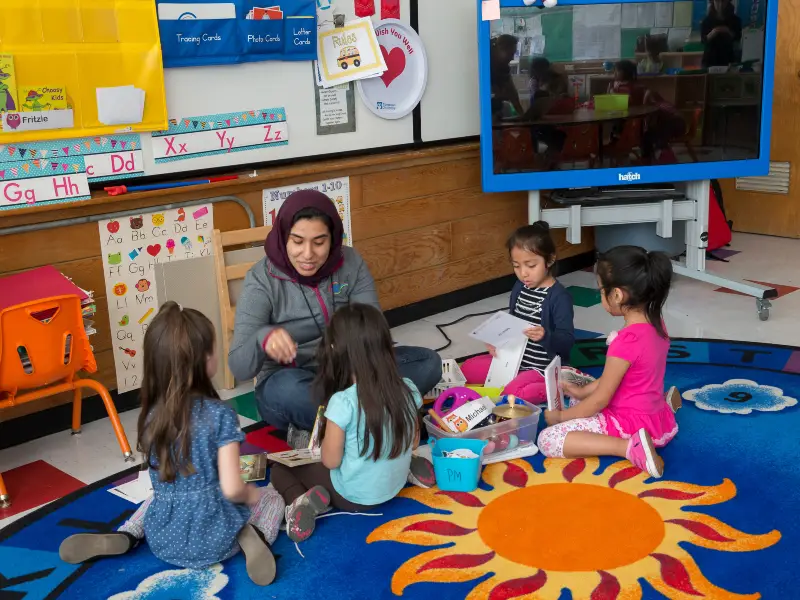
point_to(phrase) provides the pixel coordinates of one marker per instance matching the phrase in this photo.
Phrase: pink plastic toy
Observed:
(458, 395)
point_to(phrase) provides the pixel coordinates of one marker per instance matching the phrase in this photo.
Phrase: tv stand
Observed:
(693, 209)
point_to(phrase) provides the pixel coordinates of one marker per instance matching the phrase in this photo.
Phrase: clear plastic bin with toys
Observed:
(507, 438)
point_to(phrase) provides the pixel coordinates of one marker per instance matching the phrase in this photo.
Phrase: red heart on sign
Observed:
(154, 249)
(395, 65)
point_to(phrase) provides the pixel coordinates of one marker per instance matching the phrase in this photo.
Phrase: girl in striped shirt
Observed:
(542, 301)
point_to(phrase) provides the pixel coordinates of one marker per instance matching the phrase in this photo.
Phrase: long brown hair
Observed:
(177, 346)
(357, 347)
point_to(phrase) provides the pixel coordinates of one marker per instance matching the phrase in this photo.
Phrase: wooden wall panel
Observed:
(399, 253)
(488, 232)
(404, 215)
(425, 180)
(419, 218)
(401, 290)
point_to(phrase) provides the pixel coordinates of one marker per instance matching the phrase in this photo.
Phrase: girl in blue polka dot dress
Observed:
(201, 511)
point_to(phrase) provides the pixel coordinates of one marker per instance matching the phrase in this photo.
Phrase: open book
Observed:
(303, 456)
(555, 397)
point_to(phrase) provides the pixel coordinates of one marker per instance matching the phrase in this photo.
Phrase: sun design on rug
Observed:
(613, 529)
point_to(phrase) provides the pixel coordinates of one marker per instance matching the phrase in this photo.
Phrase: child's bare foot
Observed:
(83, 547)
(301, 514)
(642, 453)
(673, 398)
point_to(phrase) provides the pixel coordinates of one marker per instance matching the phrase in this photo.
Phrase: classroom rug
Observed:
(723, 522)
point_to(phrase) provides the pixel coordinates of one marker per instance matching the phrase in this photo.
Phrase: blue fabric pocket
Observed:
(199, 41)
(262, 38)
(300, 40)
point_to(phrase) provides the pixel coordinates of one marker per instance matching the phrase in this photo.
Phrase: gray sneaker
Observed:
(298, 438)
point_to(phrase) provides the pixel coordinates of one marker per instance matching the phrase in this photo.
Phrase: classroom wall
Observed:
(419, 219)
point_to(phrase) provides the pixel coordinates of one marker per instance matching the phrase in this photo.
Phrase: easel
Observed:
(693, 210)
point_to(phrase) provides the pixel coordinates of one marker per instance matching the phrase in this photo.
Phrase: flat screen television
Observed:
(588, 94)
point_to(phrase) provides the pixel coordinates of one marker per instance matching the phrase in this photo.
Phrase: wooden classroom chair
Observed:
(43, 346)
(231, 267)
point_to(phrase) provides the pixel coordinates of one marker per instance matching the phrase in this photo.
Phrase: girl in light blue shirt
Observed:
(371, 426)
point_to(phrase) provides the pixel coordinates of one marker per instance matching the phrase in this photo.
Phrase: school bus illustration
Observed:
(349, 56)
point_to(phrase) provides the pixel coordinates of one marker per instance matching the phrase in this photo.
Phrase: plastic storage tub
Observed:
(525, 428)
(457, 474)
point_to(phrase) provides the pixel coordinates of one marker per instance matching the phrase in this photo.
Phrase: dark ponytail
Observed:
(644, 276)
(535, 238)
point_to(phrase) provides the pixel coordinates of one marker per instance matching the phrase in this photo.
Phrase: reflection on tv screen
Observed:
(615, 85)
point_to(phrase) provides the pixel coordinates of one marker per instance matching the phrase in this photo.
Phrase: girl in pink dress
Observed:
(624, 412)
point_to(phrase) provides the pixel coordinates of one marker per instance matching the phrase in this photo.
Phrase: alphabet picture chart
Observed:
(338, 190)
(42, 181)
(106, 158)
(131, 247)
(208, 135)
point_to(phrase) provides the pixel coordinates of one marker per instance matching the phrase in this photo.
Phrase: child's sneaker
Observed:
(259, 561)
(642, 453)
(673, 398)
(574, 376)
(297, 438)
(83, 547)
(421, 472)
(301, 514)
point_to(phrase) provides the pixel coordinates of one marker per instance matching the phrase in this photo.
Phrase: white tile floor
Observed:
(693, 310)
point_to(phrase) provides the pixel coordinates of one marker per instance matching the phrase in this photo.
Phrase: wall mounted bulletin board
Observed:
(205, 94)
(87, 67)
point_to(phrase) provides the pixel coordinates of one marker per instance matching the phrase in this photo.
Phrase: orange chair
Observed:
(624, 146)
(689, 137)
(581, 144)
(43, 345)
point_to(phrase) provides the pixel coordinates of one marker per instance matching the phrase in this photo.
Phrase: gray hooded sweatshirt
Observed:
(270, 300)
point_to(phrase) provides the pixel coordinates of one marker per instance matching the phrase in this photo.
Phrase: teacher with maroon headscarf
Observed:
(287, 300)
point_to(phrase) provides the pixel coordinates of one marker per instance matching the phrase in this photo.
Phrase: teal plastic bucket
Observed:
(457, 474)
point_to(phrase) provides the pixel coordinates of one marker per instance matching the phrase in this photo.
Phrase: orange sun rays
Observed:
(613, 530)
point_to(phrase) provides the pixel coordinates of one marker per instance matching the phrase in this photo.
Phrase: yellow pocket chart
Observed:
(81, 45)
(42, 97)
(8, 84)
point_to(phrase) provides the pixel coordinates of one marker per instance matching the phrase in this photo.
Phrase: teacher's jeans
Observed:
(286, 397)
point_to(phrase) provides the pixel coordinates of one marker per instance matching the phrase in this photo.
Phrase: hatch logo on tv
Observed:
(629, 176)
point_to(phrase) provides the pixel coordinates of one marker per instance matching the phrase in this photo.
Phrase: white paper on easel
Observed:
(505, 364)
(555, 398)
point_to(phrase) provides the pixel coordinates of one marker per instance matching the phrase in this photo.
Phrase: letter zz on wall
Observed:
(204, 33)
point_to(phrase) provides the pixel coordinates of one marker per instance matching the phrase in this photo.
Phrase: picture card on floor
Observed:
(338, 190)
(42, 181)
(106, 157)
(131, 247)
(209, 135)
(349, 53)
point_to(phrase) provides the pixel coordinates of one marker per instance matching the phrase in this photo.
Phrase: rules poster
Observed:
(131, 247)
